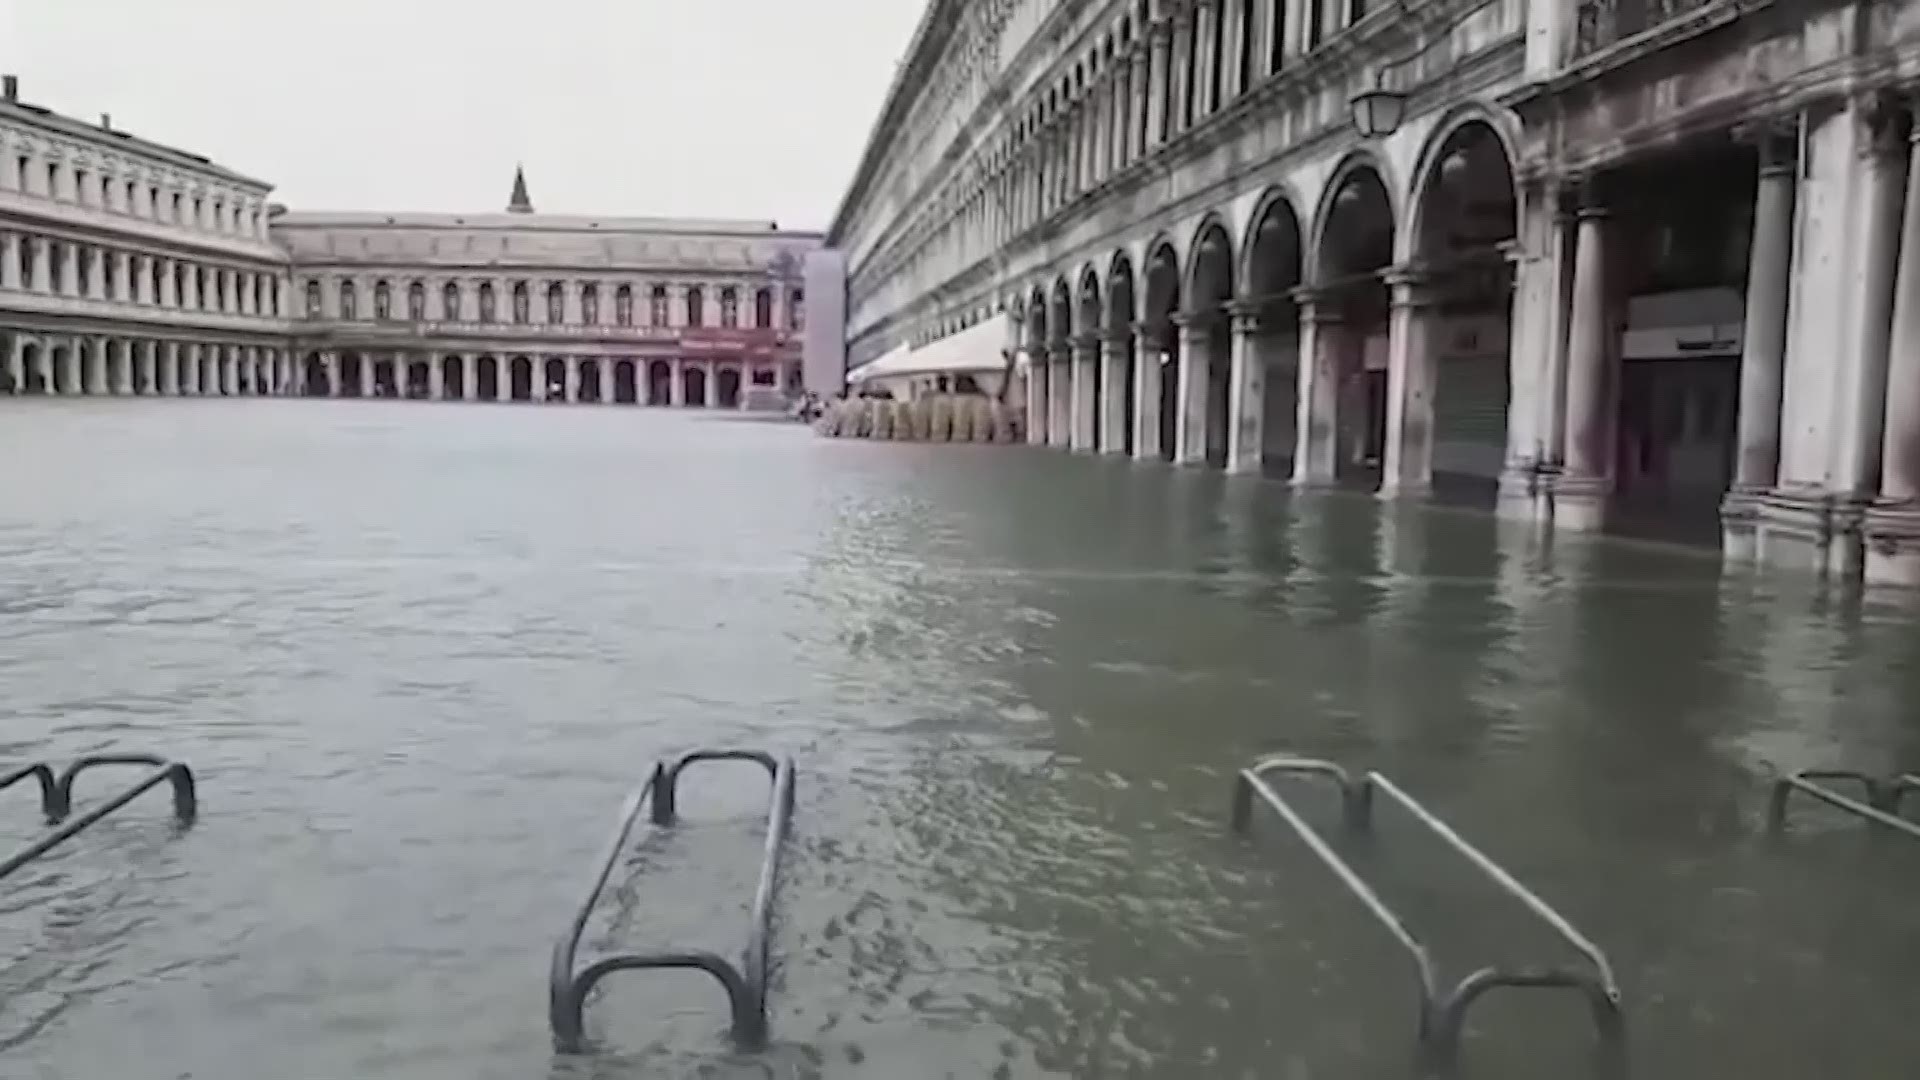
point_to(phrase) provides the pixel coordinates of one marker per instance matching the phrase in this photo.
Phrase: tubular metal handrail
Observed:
(745, 984)
(1443, 1012)
(56, 798)
(1884, 796)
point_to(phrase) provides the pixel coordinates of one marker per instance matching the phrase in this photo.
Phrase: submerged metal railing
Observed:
(745, 984)
(1443, 1009)
(56, 798)
(1884, 796)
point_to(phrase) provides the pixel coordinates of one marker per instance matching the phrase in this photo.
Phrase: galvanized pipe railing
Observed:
(746, 983)
(56, 798)
(1884, 797)
(1443, 1011)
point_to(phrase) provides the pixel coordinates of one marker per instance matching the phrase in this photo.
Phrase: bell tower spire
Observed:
(519, 203)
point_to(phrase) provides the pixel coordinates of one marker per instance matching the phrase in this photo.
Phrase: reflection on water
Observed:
(419, 654)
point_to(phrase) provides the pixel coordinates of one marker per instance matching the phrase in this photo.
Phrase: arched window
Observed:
(590, 304)
(696, 306)
(657, 306)
(450, 301)
(382, 300)
(729, 307)
(417, 302)
(349, 303)
(556, 303)
(797, 310)
(623, 306)
(486, 302)
(763, 309)
(522, 304)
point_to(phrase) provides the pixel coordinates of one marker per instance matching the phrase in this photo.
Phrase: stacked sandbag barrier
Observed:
(966, 418)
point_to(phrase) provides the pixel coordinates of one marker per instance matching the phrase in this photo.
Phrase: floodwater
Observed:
(419, 653)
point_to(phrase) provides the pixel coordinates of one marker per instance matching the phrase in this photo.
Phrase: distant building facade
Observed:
(128, 268)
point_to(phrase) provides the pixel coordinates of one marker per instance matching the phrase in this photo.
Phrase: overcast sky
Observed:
(698, 108)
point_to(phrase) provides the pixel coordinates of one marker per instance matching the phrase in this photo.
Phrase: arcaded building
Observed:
(1585, 258)
(521, 306)
(129, 268)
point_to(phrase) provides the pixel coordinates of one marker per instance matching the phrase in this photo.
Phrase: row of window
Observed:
(56, 267)
(452, 304)
(62, 182)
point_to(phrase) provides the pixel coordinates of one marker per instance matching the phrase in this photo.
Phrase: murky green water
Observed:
(419, 653)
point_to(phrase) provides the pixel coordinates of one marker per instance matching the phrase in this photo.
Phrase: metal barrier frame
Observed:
(1884, 796)
(56, 798)
(1443, 1012)
(745, 984)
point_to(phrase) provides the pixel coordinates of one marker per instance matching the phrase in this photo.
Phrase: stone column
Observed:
(125, 369)
(1179, 102)
(1882, 195)
(1113, 393)
(95, 286)
(367, 364)
(1159, 80)
(1206, 63)
(1141, 89)
(229, 370)
(436, 376)
(1039, 407)
(43, 363)
(469, 377)
(10, 249)
(1196, 363)
(1149, 355)
(1246, 393)
(573, 380)
(1060, 401)
(147, 382)
(677, 389)
(1232, 59)
(1324, 346)
(1580, 494)
(70, 270)
(713, 384)
(97, 380)
(1086, 401)
(1408, 466)
(1764, 340)
(16, 366)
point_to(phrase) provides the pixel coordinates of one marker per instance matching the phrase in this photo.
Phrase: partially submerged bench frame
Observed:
(745, 983)
(1443, 1010)
(56, 797)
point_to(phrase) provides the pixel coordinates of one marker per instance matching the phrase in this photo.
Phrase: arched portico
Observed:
(1345, 318)
(1449, 378)
(694, 384)
(1159, 349)
(1206, 341)
(520, 377)
(453, 378)
(1060, 365)
(626, 389)
(1040, 388)
(486, 378)
(1085, 354)
(660, 384)
(1118, 359)
(1265, 389)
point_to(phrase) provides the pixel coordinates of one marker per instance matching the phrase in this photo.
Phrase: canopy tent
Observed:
(975, 350)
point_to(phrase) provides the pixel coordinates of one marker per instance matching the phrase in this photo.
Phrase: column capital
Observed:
(1886, 123)
(1777, 138)
(1153, 334)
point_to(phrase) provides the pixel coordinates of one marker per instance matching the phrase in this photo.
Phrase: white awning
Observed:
(977, 349)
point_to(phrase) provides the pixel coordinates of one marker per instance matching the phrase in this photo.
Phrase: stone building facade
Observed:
(521, 306)
(1592, 258)
(129, 268)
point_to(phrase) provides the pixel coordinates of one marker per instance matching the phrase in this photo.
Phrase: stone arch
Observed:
(1123, 307)
(1463, 120)
(1209, 274)
(1370, 179)
(1164, 280)
(1277, 208)
(1060, 311)
(1088, 306)
(1163, 288)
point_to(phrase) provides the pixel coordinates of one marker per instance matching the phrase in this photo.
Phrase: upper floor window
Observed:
(197, 209)
(450, 300)
(696, 306)
(382, 300)
(349, 302)
(556, 303)
(623, 306)
(486, 302)
(763, 309)
(522, 304)
(53, 180)
(729, 307)
(416, 301)
(590, 304)
(177, 197)
(797, 310)
(133, 203)
(657, 306)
